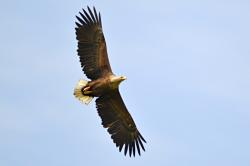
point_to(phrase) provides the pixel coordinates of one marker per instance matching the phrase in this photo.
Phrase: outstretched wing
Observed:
(116, 118)
(91, 45)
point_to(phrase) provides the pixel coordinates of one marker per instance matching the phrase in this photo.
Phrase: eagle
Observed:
(104, 84)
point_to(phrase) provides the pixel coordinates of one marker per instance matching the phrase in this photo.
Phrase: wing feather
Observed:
(92, 48)
(91, 14)
(119, 123)
(96, 16)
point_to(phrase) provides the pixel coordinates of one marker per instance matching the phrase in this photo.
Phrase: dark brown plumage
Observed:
(92, 46)
(104, 84)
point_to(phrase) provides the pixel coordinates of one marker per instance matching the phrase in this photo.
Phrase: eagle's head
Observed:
(116, 80)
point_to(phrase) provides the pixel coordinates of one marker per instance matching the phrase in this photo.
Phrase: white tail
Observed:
(78, 92)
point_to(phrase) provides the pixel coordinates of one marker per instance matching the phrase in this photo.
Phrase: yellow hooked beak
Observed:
(123, 78)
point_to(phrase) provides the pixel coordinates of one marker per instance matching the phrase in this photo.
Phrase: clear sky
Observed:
(188, 86)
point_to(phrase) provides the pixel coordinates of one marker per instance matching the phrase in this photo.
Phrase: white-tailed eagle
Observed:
(103, 84)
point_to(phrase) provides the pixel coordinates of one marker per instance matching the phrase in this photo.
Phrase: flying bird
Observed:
(104, 84)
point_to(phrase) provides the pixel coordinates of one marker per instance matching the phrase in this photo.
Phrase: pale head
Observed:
(116, 80)
(119, 79)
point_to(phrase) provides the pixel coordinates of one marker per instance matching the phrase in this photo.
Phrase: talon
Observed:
(86, 88)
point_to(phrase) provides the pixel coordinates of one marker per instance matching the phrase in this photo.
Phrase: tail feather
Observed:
(78, 92)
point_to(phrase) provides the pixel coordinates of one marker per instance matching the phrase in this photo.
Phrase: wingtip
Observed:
(126, 149)
(88, 7)
(100, 19)
(142, 138)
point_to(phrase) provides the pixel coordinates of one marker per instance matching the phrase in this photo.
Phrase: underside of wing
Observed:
(91, 45)
(119, 123)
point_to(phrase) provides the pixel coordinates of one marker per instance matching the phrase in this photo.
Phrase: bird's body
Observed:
(104, 84)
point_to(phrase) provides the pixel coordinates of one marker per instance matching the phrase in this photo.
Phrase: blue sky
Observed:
(188, 70)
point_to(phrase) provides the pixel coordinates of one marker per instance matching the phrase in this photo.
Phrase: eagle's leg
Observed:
(86, 90)
(89, 92)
